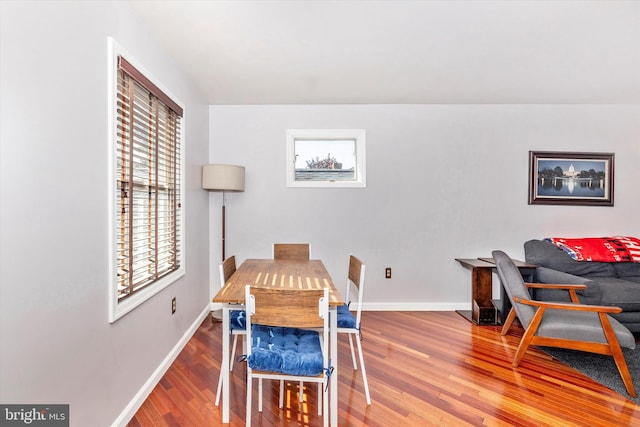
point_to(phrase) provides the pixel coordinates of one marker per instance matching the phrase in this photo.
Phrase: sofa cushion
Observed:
(609, 291)
(590, 295)
(626, 270)
(620, 293)
(546, 254)
(285, 350)
(630, 319)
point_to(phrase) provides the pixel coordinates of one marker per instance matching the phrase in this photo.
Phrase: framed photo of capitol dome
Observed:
(568, 178)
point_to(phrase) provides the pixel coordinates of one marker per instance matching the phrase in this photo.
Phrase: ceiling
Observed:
(404, 52)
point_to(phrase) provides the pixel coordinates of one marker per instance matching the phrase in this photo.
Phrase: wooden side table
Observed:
(528, 272)
(484, 311)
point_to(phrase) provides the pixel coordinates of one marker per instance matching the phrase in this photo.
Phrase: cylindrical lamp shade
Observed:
(223, 177)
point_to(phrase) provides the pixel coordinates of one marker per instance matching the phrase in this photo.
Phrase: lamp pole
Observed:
(217, 177)
(223, 227)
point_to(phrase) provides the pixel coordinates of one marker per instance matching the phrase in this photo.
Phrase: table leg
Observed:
(333, 395)
(224, 367)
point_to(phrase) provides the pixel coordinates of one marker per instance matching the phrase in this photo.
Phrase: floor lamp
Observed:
(222, 178)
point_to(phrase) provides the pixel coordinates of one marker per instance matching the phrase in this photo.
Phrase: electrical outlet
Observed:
(173, 305)
(387, 273)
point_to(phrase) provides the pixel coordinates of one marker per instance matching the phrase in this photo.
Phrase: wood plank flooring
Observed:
(424, 369)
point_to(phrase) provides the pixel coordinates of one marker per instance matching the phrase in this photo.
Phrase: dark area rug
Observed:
(602, 368)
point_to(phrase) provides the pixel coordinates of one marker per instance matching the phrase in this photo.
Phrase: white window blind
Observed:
(147, 173)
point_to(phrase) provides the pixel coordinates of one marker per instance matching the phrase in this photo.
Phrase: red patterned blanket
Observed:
(601, 249)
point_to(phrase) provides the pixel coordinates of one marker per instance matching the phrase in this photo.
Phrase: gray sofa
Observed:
(611, 284)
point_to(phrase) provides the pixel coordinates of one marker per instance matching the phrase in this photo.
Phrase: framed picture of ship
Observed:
(569, 178)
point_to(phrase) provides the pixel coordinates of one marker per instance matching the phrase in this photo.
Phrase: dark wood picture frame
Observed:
(571, 178)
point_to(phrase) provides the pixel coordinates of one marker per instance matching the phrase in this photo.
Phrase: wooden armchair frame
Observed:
(531, 337)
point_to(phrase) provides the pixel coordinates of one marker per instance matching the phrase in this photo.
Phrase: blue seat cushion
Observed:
(288, 351)
(345, 318)
(237, 320)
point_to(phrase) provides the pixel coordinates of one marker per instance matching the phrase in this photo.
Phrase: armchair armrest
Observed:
(571, 288)
(566, 286)
(590, 294)
(570, 306)
(549, 275)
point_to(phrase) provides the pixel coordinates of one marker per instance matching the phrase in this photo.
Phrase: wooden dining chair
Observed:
(575, 326)
(288, 336)
(350, 324)
(295, 252)
(236, 318)
(291, 251)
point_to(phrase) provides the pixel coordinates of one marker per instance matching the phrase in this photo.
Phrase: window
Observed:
(326, 158)
(147, 176)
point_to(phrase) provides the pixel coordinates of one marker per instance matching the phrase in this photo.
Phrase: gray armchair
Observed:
(566, 325)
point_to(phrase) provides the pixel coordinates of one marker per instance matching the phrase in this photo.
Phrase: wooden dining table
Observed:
(288, 274)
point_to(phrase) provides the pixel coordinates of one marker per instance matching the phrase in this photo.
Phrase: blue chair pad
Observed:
(288, 351)
(345, 318)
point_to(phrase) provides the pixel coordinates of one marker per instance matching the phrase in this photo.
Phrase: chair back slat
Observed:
(355, 278)
(293, 308)
(227, 268)
(513, 284)
(355, 271)
(291, 251)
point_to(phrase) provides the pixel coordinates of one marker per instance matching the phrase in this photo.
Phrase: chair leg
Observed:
(353, 355)
(621, 363)
(301, 394)
(508, 322)
(528, 336)
(364, 371)
(259, 394)
(281, 403)
(248, 416)
(617, 354)
(325, 402)
(522, 349)
(233, 351)
(219, 389)
(320, 399)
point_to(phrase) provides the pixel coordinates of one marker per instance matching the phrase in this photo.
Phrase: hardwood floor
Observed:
(424, 368)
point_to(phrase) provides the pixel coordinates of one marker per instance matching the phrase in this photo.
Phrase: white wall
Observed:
(443, 182)
(57, 343)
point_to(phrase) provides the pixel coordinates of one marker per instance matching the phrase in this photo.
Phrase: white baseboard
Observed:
(157, 375)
